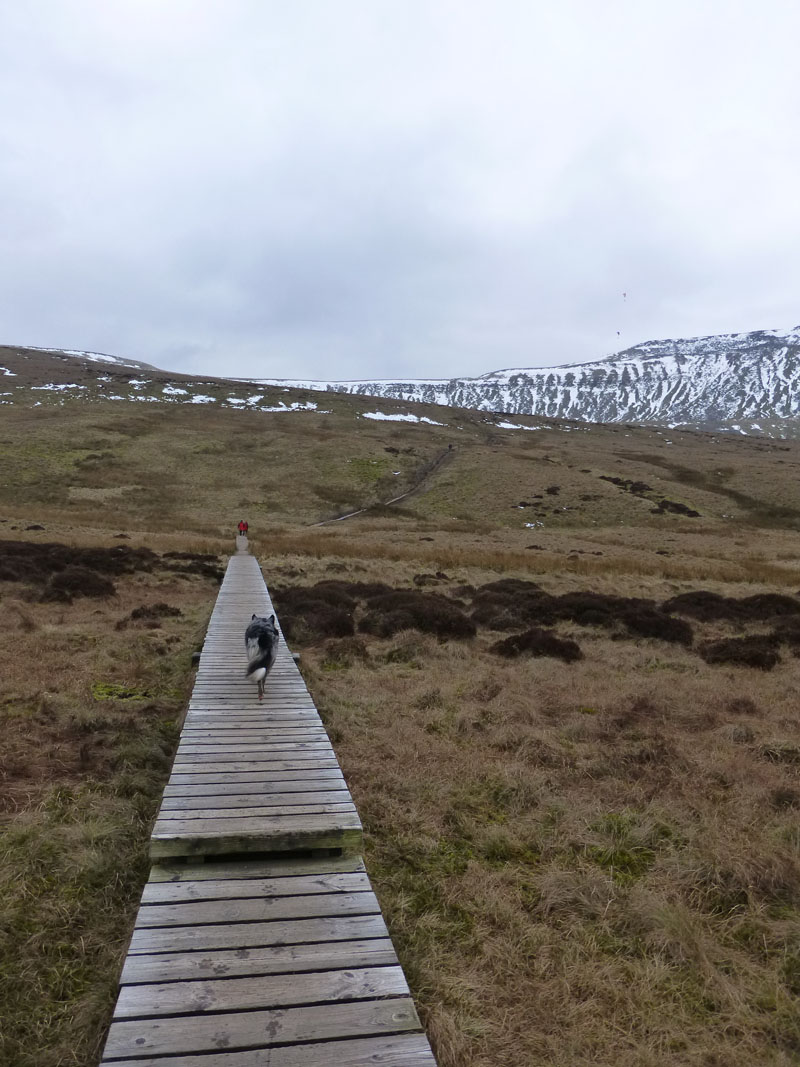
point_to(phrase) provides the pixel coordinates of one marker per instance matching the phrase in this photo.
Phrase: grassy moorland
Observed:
(585, 842)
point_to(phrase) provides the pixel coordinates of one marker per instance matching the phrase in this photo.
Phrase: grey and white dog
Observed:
(261, 642)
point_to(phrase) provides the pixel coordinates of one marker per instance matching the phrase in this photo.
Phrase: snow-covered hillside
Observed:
(712, 381)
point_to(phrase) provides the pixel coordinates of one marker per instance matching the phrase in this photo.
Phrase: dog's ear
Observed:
(254, 616)
(272, 619)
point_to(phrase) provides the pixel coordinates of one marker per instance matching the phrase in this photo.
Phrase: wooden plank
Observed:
(259, 778)
(235, 673)
(398, 1050)
(198, 913)
(248, 735)
(237, 679)
(259, 824)
(253, 734)
(147, 940)
(275, 959)
(179, 871)
(265, 726)
(264, 991)
(254, 720)
(248, 693)
(265, 766)
(235, 715)
(268, 748)
(284, 799)
(241, 888)
(254, 766)
(244, 689)
(271, 712)
(280, 782)
(238, 683)
(216, 837)
(255, 739)
(233, 665)
(256, 811)
(260, 1028)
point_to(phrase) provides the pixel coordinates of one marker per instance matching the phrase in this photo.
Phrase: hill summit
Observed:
(745, 382)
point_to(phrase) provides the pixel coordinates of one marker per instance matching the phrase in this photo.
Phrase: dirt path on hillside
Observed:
(436, 465)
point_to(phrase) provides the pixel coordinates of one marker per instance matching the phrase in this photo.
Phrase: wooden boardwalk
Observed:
(259, 941)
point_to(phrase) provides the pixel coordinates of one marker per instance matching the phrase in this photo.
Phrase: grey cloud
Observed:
(394, 189)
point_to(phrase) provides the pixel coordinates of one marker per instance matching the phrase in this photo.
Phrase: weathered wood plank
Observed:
(261, 824)
(260, 1028)
(284, 799)
(260, 778)
(266, 729)
(270, 714)
(401, 1050)
(280, 782)
(216, 869)
(272, 733)
(326, 831)
(256, 811)
(265, 991)
(256, 805)
(241, 888)
(213, 912)
(147, 940)
(268, 748)
(255, 766)
(276, 959)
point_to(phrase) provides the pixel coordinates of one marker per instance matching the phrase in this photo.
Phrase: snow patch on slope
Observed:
(696, 381)
(380, 416)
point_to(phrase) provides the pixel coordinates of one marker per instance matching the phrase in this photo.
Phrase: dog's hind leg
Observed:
(261, 689)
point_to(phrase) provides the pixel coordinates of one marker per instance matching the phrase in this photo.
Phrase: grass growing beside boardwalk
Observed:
(91, 705)
(585, 862)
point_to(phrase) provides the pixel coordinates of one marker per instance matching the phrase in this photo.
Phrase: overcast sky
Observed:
(395, 188)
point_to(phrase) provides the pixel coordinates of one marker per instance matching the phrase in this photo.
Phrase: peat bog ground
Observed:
(565, 707)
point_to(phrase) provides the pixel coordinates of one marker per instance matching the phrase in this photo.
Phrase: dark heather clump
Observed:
(411, 610)
(513, 605)
(676, 508)
(742, 706)
(538, 643)
(787, 630)
(769, 606)
(510, 585)
(38, 564)
(28, 561)
(149, 616)
(703, 605)
(74, 581)
(201, 563)
(500, 611)
(707, 607)
(656, 624)
(197, 557)
(364, 590)
(328, 592)
(310, 622)
(310, 613)
(156, 611)
(755, 651)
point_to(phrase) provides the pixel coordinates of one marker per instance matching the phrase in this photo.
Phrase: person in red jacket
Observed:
(242, 528)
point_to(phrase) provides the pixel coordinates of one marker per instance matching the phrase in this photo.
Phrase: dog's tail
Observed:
(256, 673)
